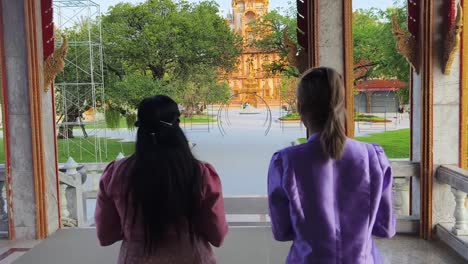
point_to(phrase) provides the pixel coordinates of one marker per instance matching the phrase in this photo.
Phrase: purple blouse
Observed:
(331, 208)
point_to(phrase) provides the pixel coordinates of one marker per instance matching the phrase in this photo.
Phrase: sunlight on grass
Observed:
(395, 143)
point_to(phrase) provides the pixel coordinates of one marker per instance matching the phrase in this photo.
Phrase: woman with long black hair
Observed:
(164, 204)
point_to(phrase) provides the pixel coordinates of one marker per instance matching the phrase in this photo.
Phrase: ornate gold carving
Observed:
(406, 44)
(464, 95)
(452, 43)
(427, 123)
(55, 64)
(295, 57)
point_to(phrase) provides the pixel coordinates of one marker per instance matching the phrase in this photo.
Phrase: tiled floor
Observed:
(243, 246)
(12, 250)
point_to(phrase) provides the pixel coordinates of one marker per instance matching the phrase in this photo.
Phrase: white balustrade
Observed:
(71, 167)
(461, 213)
(120, 156)
(63, 201)
(3, 213)
(401, 196)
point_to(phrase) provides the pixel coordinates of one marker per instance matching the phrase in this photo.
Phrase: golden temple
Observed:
(250, 80)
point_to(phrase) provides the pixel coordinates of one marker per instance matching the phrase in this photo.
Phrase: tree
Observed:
(168, 47)
(200, 88)
(374, 42)
(288, 91)
(269, 37)
(165, 37)
(375, 47)
(375, 54)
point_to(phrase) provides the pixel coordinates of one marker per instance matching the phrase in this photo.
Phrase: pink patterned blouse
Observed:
(109, 217)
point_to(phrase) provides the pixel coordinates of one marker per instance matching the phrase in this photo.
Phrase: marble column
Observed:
(334, 47)
(19, 115)
(21, 134)
(446, 119)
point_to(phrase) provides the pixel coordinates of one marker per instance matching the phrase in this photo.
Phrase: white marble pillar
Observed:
(19, 116)
(21, 132)
(416, 140)
(334, 46)
(446, 122)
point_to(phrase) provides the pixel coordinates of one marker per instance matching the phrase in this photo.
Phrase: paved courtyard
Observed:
(242, 154)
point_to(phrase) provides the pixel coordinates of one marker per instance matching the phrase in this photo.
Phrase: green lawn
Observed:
(395, 143)
(290, 117)
(358, 117)
(102, 125)
(82, 150)
(369, 118)
(200, 119)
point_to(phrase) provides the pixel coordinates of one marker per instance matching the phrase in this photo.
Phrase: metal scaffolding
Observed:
(80, 88)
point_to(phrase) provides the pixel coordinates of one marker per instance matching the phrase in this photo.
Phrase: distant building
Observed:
(250, 79)
(377, 96)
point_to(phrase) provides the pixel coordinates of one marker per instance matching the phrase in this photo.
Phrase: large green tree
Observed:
(167, 47)
(375, 53)
(374, 43)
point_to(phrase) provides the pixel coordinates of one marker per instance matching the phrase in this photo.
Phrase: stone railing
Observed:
(3, 212)
(77, 182)
(71, 195)
(455, 234)
(253, 210)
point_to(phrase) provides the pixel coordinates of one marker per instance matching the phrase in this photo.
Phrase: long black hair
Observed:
(164, 184)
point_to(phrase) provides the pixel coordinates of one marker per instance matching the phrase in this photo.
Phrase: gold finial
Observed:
(55, 63)
(452, 43)
(405, 43)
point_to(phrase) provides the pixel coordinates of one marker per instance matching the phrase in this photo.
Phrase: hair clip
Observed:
(166, 123)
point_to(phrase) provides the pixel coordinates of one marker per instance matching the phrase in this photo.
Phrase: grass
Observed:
(291, 117)
(102, 125)
(370, 118)
(358, 117)
(199, 119)
(395, 143)
(82, 150)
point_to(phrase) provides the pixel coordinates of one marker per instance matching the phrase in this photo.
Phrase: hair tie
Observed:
(153, 136)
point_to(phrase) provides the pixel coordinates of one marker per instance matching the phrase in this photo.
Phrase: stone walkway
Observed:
(243, 245)
(242, 155)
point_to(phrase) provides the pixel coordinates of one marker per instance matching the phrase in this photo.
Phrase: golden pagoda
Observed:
(250, 80)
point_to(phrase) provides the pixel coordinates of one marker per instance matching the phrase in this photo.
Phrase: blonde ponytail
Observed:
(321, 100)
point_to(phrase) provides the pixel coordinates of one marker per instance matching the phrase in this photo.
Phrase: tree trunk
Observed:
(65, 132)
(157, 71)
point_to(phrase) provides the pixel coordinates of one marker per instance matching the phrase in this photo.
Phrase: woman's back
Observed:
(331, 208)
(114, 225)
(162, 202)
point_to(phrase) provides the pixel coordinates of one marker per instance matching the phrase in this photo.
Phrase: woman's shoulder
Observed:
(115, 170)
(210, 178)
(371, 150)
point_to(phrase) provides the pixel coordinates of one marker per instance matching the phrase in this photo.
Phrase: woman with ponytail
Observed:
(332, 194)
(165, 205)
